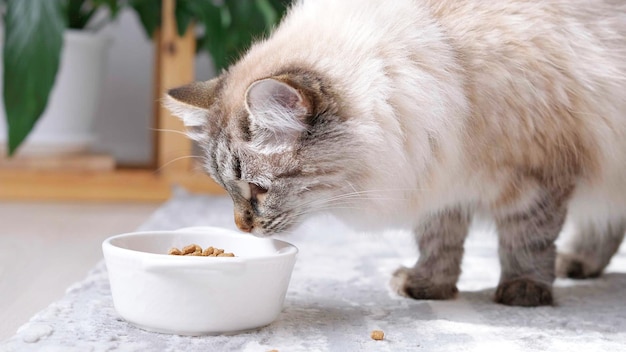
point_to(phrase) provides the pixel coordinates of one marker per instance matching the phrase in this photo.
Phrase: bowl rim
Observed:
(290, 249)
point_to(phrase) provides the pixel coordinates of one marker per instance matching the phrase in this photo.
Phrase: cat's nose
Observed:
(244, 222)
(243, 226)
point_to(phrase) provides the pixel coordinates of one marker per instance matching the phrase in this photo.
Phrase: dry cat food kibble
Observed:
(377, 335)
(195, 250)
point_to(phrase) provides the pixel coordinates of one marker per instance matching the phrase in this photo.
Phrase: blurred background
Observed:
(86, 151)
(124, 111)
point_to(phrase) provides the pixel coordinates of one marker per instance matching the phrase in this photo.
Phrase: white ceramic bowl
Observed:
(188, 295)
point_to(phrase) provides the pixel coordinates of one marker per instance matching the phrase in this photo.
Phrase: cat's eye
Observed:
(257, 191)
(237, 167)
(251, 191)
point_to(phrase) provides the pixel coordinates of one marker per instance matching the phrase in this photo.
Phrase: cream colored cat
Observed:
(422, 113)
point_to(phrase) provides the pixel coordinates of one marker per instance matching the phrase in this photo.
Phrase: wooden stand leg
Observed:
(174, 67)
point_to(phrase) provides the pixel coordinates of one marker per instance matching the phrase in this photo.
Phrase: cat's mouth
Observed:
(262, 228)
(261, 233)
(249, 221)
(266, 229)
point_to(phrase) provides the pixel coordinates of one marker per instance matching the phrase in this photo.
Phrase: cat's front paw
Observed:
(410, 283)
(524, 293)
(575, 267)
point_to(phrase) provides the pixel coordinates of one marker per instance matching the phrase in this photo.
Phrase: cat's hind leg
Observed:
(591, 248)
(440, 239)
(527, 251)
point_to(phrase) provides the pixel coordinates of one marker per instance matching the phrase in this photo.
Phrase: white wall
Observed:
(125, 110)
(125, 116)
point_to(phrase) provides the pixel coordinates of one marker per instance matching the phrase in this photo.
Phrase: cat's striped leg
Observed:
(527, 250)
(591, 249)
(440, 240)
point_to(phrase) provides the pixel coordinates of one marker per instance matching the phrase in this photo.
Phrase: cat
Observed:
(423, 113)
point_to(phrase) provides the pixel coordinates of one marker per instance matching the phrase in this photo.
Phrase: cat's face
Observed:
(282, 147)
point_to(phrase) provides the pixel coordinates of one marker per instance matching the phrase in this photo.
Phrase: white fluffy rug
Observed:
(339, 293)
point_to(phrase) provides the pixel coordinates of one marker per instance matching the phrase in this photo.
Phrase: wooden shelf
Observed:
(71, 162)
(113, 186)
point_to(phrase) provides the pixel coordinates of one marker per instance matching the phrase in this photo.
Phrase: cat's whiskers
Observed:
(350, 200)
(169, 130)
(341, 196)
(336, 205)
(325, 209)
(177, 159)
(358, 195)
(203, 158)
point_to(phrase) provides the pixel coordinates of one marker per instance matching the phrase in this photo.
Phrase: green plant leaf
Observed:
(80, 13)
(149, 12)
(114, 6)
(248, 22)
(210, 16)
(270, 14)
(184, 13)
(77, 14)
(32, 50)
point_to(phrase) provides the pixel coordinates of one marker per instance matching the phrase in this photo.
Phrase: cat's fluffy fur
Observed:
(422, 112)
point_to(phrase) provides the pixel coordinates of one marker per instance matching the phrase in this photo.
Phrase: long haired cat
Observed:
(422, 113)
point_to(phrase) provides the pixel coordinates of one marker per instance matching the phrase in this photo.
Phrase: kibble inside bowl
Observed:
(198, 295)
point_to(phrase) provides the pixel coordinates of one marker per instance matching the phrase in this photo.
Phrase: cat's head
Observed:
(282, 146)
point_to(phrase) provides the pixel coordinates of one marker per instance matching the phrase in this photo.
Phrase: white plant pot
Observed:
(66, 125)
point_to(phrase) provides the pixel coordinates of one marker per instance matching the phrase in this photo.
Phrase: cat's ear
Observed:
(277, 107)
(191, 102)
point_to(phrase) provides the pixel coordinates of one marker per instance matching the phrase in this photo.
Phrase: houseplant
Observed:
(46, 44)
(33, 32)
(227, 27)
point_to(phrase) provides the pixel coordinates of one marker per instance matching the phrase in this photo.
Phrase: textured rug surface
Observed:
(339, 293)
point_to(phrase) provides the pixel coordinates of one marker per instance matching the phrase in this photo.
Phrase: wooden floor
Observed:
(45, 247)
